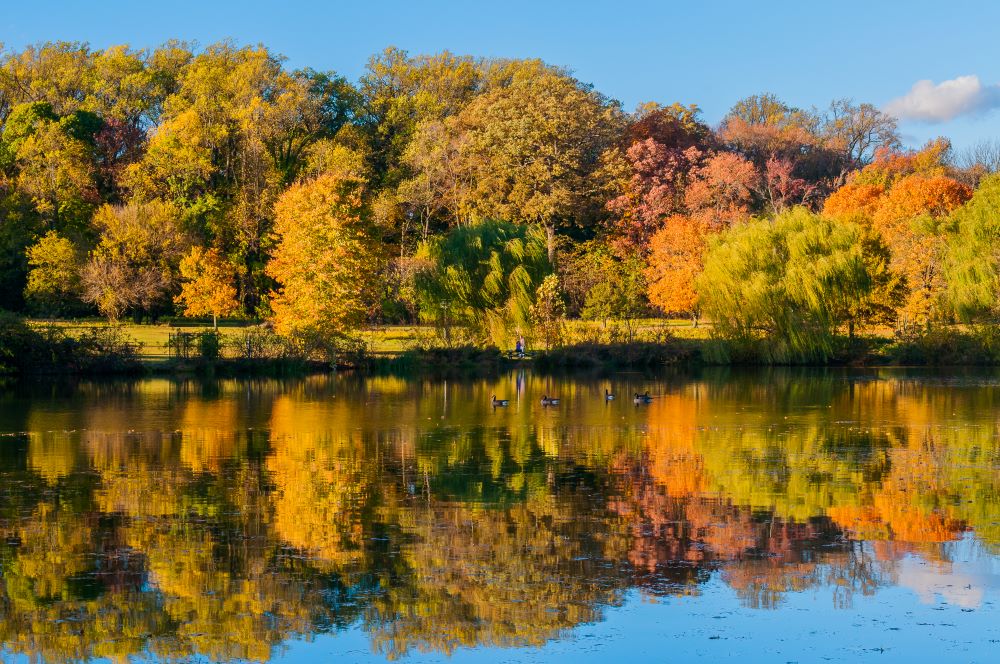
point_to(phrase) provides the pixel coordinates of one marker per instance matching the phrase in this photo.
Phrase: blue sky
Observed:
(709, 53)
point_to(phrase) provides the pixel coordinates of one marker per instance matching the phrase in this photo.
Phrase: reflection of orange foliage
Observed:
(891, 518)
(318, 499)
(892, 513)
(727, 533)
(670, 446)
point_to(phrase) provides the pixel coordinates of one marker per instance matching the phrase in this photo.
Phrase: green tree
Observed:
(620, 295)
(485, 276)
(972, 259)
(54, 168)
(790, 281)
(548, 312)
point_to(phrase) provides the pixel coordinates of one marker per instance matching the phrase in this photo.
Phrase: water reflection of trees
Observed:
(174, 521)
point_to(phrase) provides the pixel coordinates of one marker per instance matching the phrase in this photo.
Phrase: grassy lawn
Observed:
(153, 338)
(387, 340)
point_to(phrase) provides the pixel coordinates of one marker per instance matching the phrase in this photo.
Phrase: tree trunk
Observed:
(550, 239)
(215, 321)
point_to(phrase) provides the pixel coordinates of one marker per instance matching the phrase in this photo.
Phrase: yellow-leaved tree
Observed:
(208, 288)
(326, 259)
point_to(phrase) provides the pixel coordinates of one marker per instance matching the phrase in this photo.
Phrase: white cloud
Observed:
(946, 100)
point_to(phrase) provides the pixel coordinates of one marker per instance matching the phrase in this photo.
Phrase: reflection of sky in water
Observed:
(892, 626)
(939, 612)
(967, 581)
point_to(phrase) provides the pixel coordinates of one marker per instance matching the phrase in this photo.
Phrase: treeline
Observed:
(498, 196)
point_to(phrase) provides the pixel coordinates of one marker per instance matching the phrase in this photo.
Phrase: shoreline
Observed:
(470, 360)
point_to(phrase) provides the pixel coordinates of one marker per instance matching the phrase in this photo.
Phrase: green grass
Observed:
(396, 339)
(388, 340)
(153, 337)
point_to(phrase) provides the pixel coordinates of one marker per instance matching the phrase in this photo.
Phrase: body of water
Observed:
(774, 515)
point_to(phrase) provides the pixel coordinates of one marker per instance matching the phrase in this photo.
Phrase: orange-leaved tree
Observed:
(676, 254)
(904, 196)
(909, 219)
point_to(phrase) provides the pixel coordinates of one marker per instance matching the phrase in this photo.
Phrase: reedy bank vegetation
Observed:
(495, 196)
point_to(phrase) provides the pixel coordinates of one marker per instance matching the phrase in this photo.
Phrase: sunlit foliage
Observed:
(326, 259)
(485, 276)
(795, 293)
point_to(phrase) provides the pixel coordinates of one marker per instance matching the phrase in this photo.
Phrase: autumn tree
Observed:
(905, 196)
(909, 218)
(232, 135)
(648, 175)
(325, 260)
(134, 267)
(533, 145)
(400, 92)
(761, 127)
(779, 187)
(931, 160)
(123, 88)
(721, 190)
(854, 201)
(858, 131)
(820, 148)
(675, 261)
(207, 285)
(54, 285)
(441, 185)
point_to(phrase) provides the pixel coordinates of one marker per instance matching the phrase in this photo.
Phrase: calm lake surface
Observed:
(755, 516)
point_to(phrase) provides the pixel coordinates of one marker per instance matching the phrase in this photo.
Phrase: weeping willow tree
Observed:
(972, 261)
(789, 282)
(484, 277)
